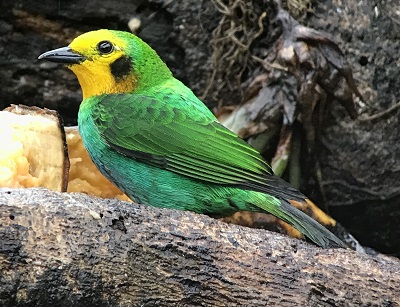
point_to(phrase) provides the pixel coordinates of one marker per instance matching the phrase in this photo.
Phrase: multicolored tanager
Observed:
(153, 138)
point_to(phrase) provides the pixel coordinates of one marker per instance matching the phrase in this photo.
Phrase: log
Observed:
(70, 249)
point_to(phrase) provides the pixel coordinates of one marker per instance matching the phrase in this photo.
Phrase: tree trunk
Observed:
(61, 249)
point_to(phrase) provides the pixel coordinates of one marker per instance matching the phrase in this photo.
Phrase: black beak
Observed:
(63, 55)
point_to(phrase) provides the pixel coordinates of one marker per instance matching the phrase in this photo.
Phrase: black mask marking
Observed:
(121, 67)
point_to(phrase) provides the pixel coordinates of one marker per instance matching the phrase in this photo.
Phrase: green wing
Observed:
(184, 137)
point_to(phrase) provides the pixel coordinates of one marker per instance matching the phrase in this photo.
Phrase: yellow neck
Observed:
(102, 82)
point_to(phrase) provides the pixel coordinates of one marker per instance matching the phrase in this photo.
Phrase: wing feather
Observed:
(179, 136)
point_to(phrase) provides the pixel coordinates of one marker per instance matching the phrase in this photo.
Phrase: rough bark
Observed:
(60, 249)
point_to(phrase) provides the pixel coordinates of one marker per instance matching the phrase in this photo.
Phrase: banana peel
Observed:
(37, 151)
(33, 151)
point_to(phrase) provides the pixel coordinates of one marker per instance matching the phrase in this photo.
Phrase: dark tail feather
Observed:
(308, 226)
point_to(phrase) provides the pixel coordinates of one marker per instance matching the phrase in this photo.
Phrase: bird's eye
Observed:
(105, 47)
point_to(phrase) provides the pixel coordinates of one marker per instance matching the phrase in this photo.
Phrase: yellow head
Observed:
(107, 69)
(108, 62)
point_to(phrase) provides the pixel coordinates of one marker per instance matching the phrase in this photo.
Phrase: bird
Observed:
(153, 138)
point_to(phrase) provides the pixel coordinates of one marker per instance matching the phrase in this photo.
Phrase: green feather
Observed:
(195, 146)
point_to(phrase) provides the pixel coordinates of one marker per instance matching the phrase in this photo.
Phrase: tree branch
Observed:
(74, 250)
